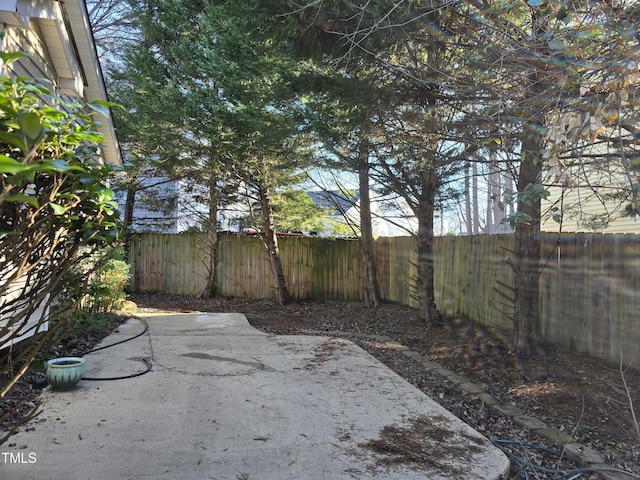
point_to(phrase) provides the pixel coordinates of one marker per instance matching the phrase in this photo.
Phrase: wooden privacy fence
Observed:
(319, 269)
(588, 286)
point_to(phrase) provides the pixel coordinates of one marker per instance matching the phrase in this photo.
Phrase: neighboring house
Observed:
(593, 195)
(390, 217)
(587, 210)
(57, 36)
(164, 205)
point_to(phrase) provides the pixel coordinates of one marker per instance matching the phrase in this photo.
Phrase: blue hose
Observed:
(524, 464)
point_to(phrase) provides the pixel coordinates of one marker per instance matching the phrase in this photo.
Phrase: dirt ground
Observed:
(582, 396)
(585, 397)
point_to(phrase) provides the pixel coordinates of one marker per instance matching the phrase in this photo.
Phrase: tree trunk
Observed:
(526, 327)
(488, 229)
(474, 199)
(271, 244)
(508, 187)
(425, 268)
(371, 291)
(467, 198)
(497, 192)
(129, 208)
(211, 241)
(526, 322)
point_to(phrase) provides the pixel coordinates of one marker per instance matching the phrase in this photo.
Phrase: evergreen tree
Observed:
(210, 105)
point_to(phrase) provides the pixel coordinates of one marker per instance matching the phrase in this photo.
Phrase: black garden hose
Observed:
(146, 360)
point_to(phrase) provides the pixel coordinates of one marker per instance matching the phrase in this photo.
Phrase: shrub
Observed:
(56, 210)
(107, 286)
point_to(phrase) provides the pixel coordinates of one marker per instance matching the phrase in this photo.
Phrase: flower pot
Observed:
(64, 373)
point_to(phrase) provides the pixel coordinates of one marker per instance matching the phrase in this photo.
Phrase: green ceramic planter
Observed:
(64, 373)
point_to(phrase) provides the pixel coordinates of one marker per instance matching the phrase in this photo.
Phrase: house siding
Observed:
(58, 39)
(592, 186)
(588, 214)
(594, 200)
(39, 65)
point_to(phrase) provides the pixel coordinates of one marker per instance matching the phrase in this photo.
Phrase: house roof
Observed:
(76, 12)
(337, 201)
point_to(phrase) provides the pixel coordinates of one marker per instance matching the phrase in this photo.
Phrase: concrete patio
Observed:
(225, 401)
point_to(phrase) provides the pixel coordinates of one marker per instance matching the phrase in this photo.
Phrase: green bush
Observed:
(108, 284)
(85, 325)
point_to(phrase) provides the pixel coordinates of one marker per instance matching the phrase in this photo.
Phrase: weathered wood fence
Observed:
(588, 286)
